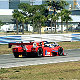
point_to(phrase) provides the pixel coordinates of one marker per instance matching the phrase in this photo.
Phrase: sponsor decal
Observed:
(54, 50)
(47, 53)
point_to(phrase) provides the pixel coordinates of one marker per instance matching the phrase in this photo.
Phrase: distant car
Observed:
(39, 49)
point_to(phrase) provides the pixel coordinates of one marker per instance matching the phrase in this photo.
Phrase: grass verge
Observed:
(58, 71)
(66, 45)
(70, 45)
(5, 50)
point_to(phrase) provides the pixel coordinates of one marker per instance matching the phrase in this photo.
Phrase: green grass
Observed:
(66, 45)
(58, 71)
(70, 45)
(5, 50)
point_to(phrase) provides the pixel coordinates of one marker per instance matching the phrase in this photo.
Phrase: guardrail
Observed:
(38, 37)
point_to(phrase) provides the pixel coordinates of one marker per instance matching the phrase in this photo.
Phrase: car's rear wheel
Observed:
(40, 52)
(16, 55)
(60, 51)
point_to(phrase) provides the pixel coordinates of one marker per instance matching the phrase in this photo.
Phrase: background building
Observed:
(13, 4)
(4, 4)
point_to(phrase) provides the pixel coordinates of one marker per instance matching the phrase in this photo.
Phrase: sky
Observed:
(38, 2)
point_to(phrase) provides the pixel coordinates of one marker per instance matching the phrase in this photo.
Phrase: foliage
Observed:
(2, 70)
(39, 14)
(24, 7)
(55, 5)
(16, 16)
(67, 17)
(1, 23)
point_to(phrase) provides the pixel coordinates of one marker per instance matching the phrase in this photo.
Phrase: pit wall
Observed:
(38, 37)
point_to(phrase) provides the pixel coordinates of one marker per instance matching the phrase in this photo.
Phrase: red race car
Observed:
(39, 49)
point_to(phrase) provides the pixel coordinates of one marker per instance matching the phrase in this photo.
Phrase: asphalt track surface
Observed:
(8, 60)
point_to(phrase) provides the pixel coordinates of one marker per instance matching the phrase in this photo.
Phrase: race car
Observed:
(32, 48)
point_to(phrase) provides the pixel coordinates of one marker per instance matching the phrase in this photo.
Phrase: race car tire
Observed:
(40, 52)
(60, 51)
(25, 54)
(16, 55)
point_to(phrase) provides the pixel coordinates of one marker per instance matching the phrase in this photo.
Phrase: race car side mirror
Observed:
(9, 45)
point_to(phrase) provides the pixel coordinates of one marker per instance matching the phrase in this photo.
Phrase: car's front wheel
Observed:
(40, 52)
(16, 55)
(60, 51)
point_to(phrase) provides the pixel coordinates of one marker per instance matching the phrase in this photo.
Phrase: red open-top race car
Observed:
(39, 49)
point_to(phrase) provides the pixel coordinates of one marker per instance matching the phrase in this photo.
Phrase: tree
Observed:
(22, 20)
(53, 20)
(24, 14)
(16, 16)
(62, 19)
(57, 17)
(32, 12)
(28, 11)
(1, 23)
(35, 13)
(67, 17)
(39, 19)
(25, 7)
(56, 5)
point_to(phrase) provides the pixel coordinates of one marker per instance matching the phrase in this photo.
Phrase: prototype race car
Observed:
(39, 49)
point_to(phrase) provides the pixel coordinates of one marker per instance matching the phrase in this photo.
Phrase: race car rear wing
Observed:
(10, 44)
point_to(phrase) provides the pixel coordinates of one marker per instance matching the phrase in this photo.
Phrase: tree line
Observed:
(38, 15)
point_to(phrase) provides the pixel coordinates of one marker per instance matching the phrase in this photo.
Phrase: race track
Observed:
(8, 60)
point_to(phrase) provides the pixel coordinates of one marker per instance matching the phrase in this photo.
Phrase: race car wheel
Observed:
(16, 55)
(40, 52)
(60, 51)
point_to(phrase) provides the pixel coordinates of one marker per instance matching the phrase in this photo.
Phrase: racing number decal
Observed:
(47, 53)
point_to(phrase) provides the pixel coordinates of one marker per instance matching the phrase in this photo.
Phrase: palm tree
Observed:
(32, 13)
(39, 19)
(62, 19)
(67, 18)
(50, 17)
(56, 5)
(1, 23)
(16, 16)
(22, 20)
(53, 19)
(57, 17)
(25, 7)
